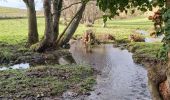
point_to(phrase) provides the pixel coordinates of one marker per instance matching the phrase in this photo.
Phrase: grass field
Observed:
(6, 11)
(15, 12)
(45, 81)
(15, 30)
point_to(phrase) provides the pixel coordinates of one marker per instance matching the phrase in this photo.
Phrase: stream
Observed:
(119, 78)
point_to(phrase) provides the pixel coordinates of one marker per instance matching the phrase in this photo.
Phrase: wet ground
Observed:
(149, 39)
(17, 66)
(120, 77)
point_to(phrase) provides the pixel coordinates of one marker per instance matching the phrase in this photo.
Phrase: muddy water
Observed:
(17, 66)
(120, 77)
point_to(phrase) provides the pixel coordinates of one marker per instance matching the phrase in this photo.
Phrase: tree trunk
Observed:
(57, 6)
(167, 23)
(167, 34)
(70, 30)
(32, 21)
(49, 33)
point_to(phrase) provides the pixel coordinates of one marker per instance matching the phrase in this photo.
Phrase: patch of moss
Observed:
(122, 41)
(87, 85)
(45, 81)
(5, 56)
(22, 49)
(11, 52)
(15, 54)
(144, 51)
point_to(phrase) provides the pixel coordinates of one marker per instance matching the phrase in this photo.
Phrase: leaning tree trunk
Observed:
(48, 33)
(57, 6)
(32, 21)
(71, 28)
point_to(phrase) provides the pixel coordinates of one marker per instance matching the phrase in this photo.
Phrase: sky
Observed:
(19, 4)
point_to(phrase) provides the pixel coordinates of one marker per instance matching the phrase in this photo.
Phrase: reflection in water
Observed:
(18, 66)
(120, 78)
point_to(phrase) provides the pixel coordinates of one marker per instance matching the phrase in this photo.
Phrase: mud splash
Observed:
(120, 77)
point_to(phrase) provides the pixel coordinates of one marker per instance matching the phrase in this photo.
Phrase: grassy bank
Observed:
(45, 81)
(145, 52)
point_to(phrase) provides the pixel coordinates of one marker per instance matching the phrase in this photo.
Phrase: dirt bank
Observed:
(15, 54)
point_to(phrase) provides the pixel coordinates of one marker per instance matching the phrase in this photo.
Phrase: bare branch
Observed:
(71, 5)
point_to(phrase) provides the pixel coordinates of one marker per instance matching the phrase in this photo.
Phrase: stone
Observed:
(165, 90)
(69, 95)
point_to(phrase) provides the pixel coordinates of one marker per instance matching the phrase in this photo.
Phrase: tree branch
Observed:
(71, 5)
(68, 7)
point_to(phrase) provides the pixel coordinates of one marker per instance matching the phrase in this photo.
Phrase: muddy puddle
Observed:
(120, 77)
(17, 66)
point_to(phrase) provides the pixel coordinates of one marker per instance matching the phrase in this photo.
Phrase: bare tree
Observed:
(52, 12)
(91, 12)
(57, 6)
(32, 21)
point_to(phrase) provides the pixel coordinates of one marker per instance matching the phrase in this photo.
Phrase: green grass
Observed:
(145, 51)
(45, 81)
(14, 31)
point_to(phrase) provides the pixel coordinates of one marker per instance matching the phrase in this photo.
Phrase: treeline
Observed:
(16, 17)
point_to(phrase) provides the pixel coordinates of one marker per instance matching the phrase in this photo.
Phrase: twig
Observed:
(71, 5)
